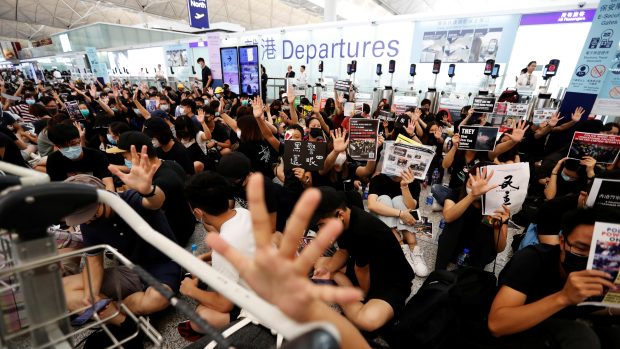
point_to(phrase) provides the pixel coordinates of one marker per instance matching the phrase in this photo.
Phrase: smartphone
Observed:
(451, 70)
(415, 214)
(392, 66)
(88, 313)
(379, 69)
(412, 70)
(553, 67)
(495, 72)
(436, 66)
(488, 66)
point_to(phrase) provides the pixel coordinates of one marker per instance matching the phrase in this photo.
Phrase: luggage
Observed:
(511, 96)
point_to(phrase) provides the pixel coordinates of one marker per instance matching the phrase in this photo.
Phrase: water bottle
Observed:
(195, 250)
(442, 224)
(463, 259)
(435, 177)
(366, 192)
(429, 199)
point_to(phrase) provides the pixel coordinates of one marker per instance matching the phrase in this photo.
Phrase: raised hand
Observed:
(581, 285)
(456, 139)
(589, 162)
(316, 108)
(140, 177)
(93, 91)
(80, 129)
(115, 92)
(410, 127)
(201, 115)
(275, 274)
(437, 134)
(340, 141)
(257, 107)
(555, 118)
(406, 177)
(299, 173)
(518, 132)
(157, 100)
(210, 91)
(290, 93)
(417, 114)
(576, 115)
(480, 182)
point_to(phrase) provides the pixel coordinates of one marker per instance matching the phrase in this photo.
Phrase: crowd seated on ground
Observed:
(196, 157)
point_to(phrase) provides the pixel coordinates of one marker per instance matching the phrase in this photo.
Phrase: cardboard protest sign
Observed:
(604, 148)
(542, 115)
(605, 256)
(308, 155)
(484, 104)
(363, 139)
(401, 103)
(478, 138)
(342, 86)
(400, 156)
(73, 110)
(386, 115)
(604, 193)
(513, 181)
(349, 109)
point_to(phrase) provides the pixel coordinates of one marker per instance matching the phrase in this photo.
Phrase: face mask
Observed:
(85, 112)
(164, 107)
(72, 152)
(218, 96)
(111, 139)
(573, 262)
(239, 134)
(115, 110)
(567, 178)
(217, 113)
(315, 132)
(128, 164)
(341, 159)
(136, 110)
(244, 102)
(30, 101)
(155, 143)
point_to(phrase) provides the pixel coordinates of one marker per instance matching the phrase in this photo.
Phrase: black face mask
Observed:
(573, 262)
(315, 132)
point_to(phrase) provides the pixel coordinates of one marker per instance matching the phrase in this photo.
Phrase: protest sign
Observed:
(517, 109)
(605, 256)
(604, 148)
(542, 115)
(386, 115)
(400, 156)
(363, 136)
(342, 86)
(349, 109)
(501, 108)
(308, 155)
(513, 181)
(604, 193)
(478, 138)
(401, 103)
(151, 105)
(73, 110)
(484, 104)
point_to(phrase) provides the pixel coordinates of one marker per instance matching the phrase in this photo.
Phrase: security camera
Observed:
(581, 4)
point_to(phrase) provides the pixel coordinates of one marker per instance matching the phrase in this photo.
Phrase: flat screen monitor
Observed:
(230, 67)
(250, 70)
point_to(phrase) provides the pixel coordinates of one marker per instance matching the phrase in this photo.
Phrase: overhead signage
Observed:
(574, 16)
(198, 14)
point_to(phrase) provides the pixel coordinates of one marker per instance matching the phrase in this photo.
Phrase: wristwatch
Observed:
(151, 194)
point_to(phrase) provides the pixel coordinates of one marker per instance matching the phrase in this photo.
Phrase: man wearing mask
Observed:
(207, 78)
(427, 116)
(542, 284)
(72, 159)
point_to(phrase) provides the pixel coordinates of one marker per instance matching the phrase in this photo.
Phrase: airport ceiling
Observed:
(36, 19)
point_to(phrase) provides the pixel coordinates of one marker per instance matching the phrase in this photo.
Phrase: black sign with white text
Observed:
(308, 155)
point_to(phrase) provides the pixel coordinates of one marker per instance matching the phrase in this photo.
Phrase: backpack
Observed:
(511, 96)
(449, 308)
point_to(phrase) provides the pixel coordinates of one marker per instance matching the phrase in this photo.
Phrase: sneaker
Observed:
(186, 331)
(408, 256)
(436, 206)
(419, 266)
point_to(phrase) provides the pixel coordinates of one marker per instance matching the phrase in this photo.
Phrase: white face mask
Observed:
(341, 159)
(155, 143)
(239, 134)
(187, 143)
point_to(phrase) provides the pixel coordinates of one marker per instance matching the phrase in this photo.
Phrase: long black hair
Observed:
(524, 70)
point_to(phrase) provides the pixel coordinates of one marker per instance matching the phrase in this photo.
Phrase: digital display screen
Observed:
(495, 72)
(392, 66)
(436, 66)
(250, 70)
(451, 70)
(379, 69)
(412, 70)
(553, 67)
(488, 67)
(230, 67)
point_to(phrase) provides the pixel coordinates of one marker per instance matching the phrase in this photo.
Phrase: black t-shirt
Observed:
(290, 74)
(262, 156)
(370, 242)
(179, 154)
(477, 237)
(535, 272)
(272, 193)
(206, 72)
(383, 185)
(93, 162)
(115, 232)
(12, 154)
(170, 178)
(340, 182)
(460, 169)
(220, 133)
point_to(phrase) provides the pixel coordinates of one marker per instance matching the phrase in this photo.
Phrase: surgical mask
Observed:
(155, 143)
(128, 164)
(239, 134)
(111, 139)
(164, 107)
(316, 132)
(85, 112)
(245, 102)
(71, 153)
(567, 178)
(341, 159)
(30, 101)
(572, 262)
(217, 95)
(217, 113)
(136, 110)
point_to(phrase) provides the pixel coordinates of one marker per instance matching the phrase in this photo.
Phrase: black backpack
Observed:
(449, 309)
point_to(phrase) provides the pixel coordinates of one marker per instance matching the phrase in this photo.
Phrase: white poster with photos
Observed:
(512, 181)
(400, 156)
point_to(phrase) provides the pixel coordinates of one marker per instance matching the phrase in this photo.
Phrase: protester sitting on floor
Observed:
(208, 194)
(541, 286)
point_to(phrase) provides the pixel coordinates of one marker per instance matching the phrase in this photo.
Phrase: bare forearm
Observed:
(350, 337)
(449, 158)
(408, 199)
(453, 213)
(376, 207)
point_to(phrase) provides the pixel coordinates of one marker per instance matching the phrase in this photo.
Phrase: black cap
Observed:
(135, 138)
(331, 200)
(234, 166)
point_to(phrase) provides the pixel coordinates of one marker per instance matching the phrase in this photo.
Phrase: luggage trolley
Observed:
(31, 273)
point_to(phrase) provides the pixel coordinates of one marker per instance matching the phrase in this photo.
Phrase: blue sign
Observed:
(593, 75)
(198, 13)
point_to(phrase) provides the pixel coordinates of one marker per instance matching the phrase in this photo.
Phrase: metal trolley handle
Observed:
(16, 208)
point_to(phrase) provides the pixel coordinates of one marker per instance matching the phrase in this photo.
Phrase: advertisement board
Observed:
(250, 70)
(230, 67)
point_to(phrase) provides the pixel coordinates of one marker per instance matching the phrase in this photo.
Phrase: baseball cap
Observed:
(160, 114)
(129, 138)
(218, 89)
(234, 166)
(331, 200)
(180, 85)
(86, 213)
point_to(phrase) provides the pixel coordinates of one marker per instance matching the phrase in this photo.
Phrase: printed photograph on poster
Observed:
(484, 104)
(250, 75)
(386, 115)
(501, 108)
(485, 44)
(513, 182)
(176, 58)
(400, 156)
(604, 148)
(423, 228)
(517, 109)
(604, 193)
(73, 110)
(605, 256)
(151, 105)
(363, 139)
(478, 138)
(542, 115)
(308, 155)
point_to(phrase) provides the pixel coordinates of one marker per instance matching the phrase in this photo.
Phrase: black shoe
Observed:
(127, 329)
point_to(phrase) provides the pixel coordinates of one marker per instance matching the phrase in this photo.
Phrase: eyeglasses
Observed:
(579, 252)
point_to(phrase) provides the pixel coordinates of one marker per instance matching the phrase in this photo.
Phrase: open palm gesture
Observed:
(555, 118)
(276, 275)
(340, 142)
(140, 177)
(257, 107)
(576, 115)
(480, 182)
(518, 132)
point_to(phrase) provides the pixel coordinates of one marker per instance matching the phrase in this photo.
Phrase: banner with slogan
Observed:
(598, 60)
(198, 14)
(512, 181)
